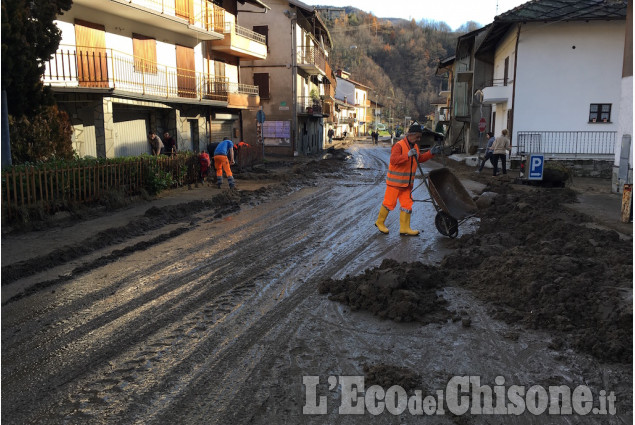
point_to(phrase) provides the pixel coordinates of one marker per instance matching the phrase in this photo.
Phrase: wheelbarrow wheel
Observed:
(446, 224)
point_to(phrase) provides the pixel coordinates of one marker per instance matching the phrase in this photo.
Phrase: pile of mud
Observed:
(403, 292)
(534, 261)
(388, 375)
(330, 165)
(539, 265)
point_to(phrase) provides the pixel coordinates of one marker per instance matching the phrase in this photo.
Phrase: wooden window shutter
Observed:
(263, 30)
(92, 56)
(262, 81)
(145, 53)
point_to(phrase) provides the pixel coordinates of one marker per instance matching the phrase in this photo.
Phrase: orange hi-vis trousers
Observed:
(403, 194)
(221, 163)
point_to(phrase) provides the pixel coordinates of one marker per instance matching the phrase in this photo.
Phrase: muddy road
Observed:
(217, 318)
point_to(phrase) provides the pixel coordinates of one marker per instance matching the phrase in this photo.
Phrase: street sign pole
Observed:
(260, 117)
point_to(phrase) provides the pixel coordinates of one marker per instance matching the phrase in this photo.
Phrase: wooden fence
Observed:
(52, 188)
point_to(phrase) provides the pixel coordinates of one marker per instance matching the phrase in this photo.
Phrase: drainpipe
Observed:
(294, 83)
(511, 133)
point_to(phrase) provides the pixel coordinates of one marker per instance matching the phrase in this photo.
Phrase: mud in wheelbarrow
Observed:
(452, 201)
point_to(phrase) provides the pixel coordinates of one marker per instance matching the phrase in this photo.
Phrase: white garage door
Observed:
(131, 131)
(220, 130)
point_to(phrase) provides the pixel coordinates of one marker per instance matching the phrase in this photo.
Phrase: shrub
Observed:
(45, 136)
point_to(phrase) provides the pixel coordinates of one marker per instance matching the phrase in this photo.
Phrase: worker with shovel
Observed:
(404, 158)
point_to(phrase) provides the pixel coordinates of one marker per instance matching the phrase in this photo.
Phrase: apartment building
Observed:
(127, 67)
(350, 92)
(296, 83)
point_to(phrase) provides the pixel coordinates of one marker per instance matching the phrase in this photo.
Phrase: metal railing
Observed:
(567, 143)
(497, 82)
(202, 14)
(311, 55)
(309, 105)
(105, 68)
(251, 35)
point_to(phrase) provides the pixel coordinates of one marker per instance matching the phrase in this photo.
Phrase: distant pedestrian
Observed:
(155, 143)
(500, 148)
(169, 144)
(330, 135)
(221, 163)
(488, 151)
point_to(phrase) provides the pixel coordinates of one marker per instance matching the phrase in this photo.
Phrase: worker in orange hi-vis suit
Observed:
(404, 157)
(221, 163)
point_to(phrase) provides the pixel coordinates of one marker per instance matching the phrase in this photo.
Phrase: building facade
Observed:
(296, 83)
(124, 69)
(556, 78)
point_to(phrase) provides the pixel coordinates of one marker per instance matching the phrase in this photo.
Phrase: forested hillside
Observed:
(396, 57)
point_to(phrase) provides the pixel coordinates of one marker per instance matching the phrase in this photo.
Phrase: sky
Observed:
(453, 12)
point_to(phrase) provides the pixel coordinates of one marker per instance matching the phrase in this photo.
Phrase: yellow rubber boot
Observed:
(404, 225)
(383, 213)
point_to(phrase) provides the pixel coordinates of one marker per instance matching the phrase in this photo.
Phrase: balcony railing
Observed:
(247, 33)
(109, 69)
(309, 105)
(497, 82)
(199, 13)
(567, 143)
(242, 89)
(311, 55)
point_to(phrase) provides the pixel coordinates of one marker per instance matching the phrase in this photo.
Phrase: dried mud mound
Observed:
(403, 292)
(539, 265)
(536, 262)
(388, 375)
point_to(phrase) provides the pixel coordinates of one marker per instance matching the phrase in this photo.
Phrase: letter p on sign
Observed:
(536, 166)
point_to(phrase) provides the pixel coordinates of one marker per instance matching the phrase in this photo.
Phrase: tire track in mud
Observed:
(162, 320)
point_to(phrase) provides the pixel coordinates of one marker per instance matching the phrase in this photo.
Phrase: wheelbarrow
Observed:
(451, 200)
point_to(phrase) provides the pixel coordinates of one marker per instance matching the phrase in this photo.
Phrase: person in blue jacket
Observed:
(222, 163)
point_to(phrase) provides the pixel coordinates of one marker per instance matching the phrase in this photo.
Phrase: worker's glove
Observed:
(412, 152)
(436, 150)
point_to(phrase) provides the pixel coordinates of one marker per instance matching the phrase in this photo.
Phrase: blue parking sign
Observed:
(536, 166)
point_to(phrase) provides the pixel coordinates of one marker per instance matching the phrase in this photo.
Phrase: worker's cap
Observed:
(415, 128)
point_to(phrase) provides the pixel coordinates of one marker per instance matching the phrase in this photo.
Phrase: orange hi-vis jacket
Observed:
(402, 168)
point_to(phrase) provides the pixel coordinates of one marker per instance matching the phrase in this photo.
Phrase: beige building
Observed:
(352, 92)
(125, 68)
(296, 82)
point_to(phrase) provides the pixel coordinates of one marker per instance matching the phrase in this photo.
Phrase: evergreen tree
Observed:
(29, 39)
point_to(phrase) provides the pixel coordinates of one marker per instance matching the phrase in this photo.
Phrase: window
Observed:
(262, 81)
(263, 30)
(145, 53)
(600, 112)
(506, 75)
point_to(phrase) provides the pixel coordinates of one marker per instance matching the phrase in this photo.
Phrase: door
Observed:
(185, 71)
(92, 63)
(131, 131)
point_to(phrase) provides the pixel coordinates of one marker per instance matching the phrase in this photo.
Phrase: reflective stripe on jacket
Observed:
(403, 174)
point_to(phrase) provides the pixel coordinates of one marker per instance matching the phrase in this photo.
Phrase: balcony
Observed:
(464, 73)
(312, 60)
(107, 70)
(242, 42)
(497, 91)
(242, 96)
(197, 18)
(309, 106)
